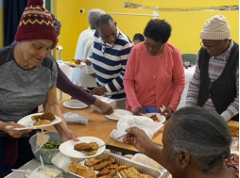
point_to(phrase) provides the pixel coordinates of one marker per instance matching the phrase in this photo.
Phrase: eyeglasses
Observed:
(212, 47)
(152, 46)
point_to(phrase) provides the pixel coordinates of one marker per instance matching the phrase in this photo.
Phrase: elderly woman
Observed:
(154, 75)
(195, 141)
(28, 79)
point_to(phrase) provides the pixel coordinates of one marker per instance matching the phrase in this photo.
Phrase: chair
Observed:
(189, 58)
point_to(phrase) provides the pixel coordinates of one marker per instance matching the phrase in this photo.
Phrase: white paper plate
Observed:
(117, 113)
(74, 104)
(75, 65)
(67, 148)
(28, 122)
(159, 125)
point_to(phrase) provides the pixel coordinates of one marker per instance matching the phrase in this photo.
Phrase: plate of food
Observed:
(75, 63)
(74, 104)
(156, 117)
(118, 113)
(87, 147)
(38, 120)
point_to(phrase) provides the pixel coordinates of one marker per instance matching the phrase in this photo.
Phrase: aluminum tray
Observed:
(120, 160)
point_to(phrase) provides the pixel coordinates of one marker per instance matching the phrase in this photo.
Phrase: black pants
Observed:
(24, 155)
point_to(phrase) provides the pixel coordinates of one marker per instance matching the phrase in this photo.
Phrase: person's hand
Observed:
(104, 107)
(138, 111)
(99, 91)
(8, 128)
(138, 139)
(68, 135)
(167, 112)
(86, 61)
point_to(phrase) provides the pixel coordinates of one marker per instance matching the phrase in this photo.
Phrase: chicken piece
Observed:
(44, 116)
(41, 122)
(89, 173)
(93, 145)
(154, 118)
(72, 167)
(110, 158)
(82, 146)
(101, 165)
(92, 161)
(121, 168)
(103, 172)
(145, 176)
(113, 166)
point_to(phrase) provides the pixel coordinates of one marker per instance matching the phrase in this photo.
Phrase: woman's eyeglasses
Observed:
(212, 47)
(152, 46)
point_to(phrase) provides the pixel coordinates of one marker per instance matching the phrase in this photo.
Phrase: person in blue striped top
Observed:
(109, 58)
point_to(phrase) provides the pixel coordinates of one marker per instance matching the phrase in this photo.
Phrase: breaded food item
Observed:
(48, 116)
(110, 158)
(89, 173)
(81, 170)
(72, 167)
(103, 172)
(82, 146)
(41, 122)
(92, 161)
(113, 166)
(155, 118)
(121, 168)
(44, 116)
(145, 176)
(93, 145)
(101, 165)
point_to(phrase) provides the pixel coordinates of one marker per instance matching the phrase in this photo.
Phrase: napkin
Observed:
(75, 118)
(61, 161)
(127, 121)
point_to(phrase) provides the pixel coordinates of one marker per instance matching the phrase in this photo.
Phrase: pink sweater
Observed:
(169, 78)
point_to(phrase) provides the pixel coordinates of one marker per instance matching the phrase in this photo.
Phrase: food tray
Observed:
(120, 160)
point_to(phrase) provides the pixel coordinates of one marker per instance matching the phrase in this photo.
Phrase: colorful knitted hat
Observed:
(36, 23)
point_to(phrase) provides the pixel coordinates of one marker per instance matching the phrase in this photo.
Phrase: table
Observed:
(188, 77)
(95, 127)
(98, 126)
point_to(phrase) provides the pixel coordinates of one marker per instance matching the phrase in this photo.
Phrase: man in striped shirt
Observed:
(109, 58)
(215, 83)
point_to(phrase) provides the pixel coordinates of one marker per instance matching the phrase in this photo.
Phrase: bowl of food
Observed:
(47, 150)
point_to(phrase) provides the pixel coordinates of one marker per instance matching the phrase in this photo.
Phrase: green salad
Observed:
(51, 145)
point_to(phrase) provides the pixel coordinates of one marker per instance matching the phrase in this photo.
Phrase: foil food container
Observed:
(120, 160)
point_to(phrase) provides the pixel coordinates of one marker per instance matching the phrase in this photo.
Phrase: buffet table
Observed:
(98, 126)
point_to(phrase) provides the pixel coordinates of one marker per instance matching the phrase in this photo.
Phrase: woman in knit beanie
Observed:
(28, 79)
(215, 83)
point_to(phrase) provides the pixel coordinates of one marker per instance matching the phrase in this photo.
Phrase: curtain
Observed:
(13, 10)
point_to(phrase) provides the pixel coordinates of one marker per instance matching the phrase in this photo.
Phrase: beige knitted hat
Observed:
(216, 28)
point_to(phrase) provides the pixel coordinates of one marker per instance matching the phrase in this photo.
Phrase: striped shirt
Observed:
(109, 63)
(216, 67)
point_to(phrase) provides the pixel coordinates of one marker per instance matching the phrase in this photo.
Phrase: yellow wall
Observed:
(1, 24)
(186, 25)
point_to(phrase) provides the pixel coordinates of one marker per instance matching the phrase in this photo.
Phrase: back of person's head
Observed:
(103, 20)
(93, 14)
(36, 23)
(204, 134)
(158, 30)
(138, 37)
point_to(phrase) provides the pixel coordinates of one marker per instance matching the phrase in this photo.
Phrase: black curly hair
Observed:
(158, 30)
